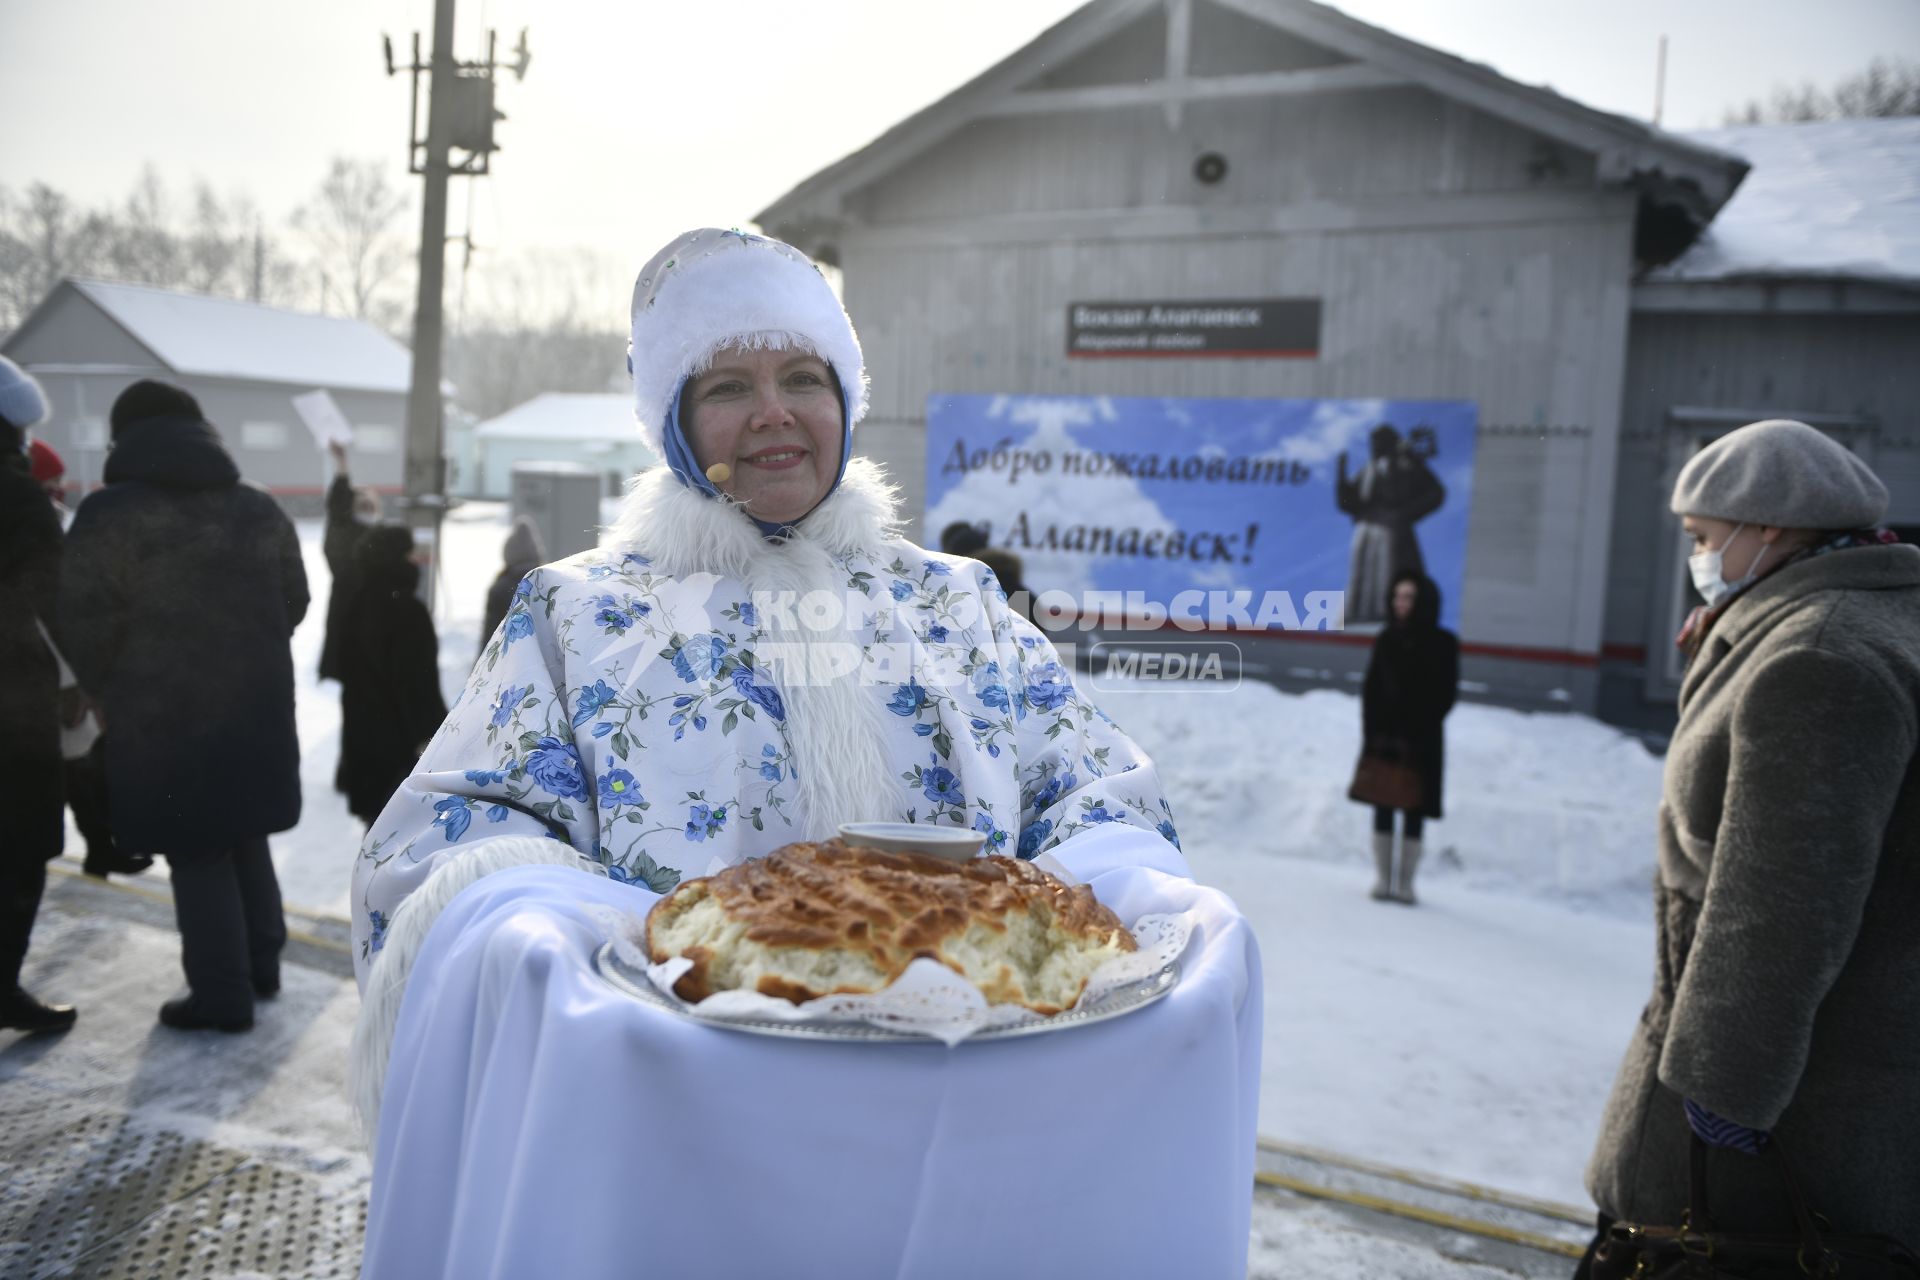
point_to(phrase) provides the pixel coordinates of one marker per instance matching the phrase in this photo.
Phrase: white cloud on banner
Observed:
(1335, 427)
(1056, 498)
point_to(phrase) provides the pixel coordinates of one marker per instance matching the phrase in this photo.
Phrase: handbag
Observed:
(1695, 1251)
(1387, 784)
(76, 739)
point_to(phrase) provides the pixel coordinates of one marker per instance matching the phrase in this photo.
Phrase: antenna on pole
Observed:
(460, 116)
(1660, 83)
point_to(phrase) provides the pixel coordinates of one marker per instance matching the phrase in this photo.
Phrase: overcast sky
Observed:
(640, 119)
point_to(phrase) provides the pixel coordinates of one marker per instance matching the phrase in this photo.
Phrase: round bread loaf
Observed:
(810, 920)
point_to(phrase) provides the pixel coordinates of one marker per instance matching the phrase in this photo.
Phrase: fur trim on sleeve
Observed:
(412, 921)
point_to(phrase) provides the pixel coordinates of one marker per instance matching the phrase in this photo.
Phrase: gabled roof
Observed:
(192, 334)
(565, 415)
(1833, 199)
(1675, 169)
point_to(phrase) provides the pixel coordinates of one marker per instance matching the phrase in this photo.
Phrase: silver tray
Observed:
(623, 978)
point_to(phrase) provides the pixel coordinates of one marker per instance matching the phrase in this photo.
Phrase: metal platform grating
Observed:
(85, 1192)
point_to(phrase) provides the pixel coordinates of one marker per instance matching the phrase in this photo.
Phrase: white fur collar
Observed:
(682, 531)
(835, 721)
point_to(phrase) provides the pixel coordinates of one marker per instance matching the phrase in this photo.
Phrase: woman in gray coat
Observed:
(1786, 1001)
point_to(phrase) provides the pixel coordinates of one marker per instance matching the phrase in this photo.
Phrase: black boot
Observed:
(21, 1012)
(115, 862)
(179, 1015)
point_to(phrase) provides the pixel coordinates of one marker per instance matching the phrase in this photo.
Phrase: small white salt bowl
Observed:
(955, 844)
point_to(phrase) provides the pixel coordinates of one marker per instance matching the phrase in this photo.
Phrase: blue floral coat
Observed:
(636, 716)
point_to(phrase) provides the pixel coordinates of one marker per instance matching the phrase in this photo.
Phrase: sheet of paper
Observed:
(323, 418)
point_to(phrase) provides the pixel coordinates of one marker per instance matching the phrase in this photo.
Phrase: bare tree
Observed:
(225, 249)
(539, 321)
(1885, 88)
(44, 236)
(1888, 87)
(145, 249)
(216, 244)
(354, 224)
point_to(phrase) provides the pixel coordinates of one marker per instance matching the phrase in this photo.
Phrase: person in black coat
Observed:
(351, 513)
(963, 539)
(389, 673)
(180, 593)
(32, 774)
(520, 556)
(1412, 680)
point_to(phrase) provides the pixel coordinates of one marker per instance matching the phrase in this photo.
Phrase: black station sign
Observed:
(1269, 327)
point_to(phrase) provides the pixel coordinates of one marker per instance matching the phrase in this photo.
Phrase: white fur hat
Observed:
(711, 289)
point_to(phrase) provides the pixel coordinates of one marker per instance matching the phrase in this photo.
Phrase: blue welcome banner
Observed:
(1233, 513)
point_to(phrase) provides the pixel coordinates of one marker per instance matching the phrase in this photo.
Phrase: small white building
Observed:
(88, 341)
(596, 431)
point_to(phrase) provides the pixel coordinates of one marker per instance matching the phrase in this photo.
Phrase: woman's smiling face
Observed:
(774, 419)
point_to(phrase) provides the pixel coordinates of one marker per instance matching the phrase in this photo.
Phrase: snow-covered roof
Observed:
(219, 338)
(1833, 198)
(566, 415)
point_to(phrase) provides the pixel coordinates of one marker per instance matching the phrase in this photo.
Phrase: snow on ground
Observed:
(1302, 1238)
(1546, 805)
(1475, 1036)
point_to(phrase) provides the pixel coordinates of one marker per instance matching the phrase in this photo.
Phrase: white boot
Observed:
(1409, 863)
(1383, 866)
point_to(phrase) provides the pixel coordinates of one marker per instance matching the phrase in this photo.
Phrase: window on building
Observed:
(263, 435)
(376, 439)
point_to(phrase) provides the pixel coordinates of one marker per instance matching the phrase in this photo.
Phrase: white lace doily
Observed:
(928, 999)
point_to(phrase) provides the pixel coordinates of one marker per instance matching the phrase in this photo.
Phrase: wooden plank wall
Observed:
(1525, 319)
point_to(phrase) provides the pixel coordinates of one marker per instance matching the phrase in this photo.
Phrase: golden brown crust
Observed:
(888, 908)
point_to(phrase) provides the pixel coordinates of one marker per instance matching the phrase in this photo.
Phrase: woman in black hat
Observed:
(389, 672)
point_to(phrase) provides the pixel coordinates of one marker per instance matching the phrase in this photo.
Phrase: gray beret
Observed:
(1780, 473)
(22, 403)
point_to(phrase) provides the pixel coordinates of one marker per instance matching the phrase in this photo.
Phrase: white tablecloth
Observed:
(538, 1123)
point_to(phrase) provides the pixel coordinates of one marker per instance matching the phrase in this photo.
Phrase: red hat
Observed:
(46, 463)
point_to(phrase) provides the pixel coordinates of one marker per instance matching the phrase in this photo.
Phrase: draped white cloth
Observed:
(539, 1123)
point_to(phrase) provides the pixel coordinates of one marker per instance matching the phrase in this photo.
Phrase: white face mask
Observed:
(1709, 575)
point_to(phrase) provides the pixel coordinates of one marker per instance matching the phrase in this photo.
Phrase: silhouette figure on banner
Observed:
(1393, 492)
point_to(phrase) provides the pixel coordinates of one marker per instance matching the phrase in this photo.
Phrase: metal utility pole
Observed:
(460, 113)
(425, 468)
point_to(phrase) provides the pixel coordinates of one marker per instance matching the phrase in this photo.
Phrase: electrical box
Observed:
(470, 103)
(562, 499)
